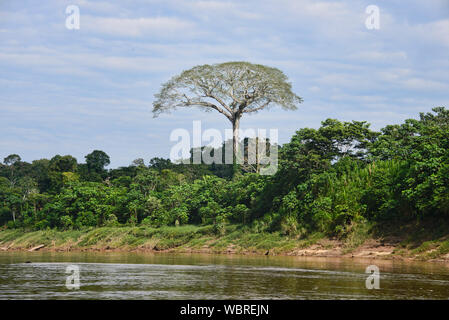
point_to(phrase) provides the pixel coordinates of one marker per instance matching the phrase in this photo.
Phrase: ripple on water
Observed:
(244, 279)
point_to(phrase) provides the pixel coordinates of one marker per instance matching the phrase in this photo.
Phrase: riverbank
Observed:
(362, 242)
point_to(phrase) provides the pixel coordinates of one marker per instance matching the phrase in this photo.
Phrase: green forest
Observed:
(328, 180)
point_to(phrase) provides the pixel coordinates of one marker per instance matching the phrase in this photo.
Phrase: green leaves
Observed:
(424, 144)
(328, 179)
(230, 88)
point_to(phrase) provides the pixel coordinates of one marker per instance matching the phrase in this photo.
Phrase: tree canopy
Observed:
(231, 88)
(329, 178)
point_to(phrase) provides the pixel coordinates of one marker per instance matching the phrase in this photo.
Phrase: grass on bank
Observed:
(237, 237)
(414, 240)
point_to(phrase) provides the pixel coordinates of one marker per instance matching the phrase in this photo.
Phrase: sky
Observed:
(72, 91)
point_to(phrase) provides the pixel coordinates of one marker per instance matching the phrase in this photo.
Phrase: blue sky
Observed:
(72, 91)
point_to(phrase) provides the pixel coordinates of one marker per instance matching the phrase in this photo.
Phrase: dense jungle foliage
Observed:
(328, 179)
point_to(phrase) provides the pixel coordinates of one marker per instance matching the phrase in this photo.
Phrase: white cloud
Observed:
(224, 9)
(101, 7)
(380, 56)
(137, 27)
(84, 87)
(437, 31)
(425, 84)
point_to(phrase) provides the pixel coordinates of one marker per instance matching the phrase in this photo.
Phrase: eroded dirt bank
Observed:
(197, 240)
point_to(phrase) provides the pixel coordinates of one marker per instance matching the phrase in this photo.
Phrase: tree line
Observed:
(328, 179)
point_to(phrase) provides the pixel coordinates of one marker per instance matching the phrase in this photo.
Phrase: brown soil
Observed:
(372, 249)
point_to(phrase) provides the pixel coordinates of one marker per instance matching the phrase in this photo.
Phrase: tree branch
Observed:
(257, 109)
(208, 105)
(210, 95)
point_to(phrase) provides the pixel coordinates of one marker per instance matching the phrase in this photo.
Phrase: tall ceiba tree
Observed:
(231, 88)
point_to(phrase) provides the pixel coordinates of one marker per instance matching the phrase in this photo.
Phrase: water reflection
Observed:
(179, 276)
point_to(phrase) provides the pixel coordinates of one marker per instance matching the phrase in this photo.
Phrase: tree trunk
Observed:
(257, 155)
(235, 143)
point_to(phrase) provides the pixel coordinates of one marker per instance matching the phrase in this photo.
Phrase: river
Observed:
(42, 275)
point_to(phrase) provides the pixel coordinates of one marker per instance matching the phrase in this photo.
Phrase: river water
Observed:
(42, 275)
